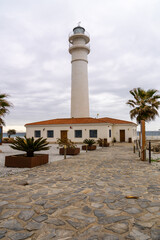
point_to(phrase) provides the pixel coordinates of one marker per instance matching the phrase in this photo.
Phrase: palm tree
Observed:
(145, 105)
(4, 107)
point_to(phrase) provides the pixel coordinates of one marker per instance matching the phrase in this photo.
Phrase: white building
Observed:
(80, 126)
(78, 129)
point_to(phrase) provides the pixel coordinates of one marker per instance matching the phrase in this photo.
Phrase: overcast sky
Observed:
(35, 68)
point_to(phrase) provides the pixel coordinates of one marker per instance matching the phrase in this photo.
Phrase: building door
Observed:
(64, 135)
(122, 135)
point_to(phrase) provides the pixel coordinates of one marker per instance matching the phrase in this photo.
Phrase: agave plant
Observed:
(30, 145)
(90, 142)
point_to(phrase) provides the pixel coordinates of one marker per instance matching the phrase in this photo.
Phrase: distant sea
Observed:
(151, 133)
(21, 134)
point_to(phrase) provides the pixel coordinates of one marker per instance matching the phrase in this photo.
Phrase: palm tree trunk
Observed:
(143, 141)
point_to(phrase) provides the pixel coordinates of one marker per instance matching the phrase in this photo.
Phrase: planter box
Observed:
(104, 145)
(69, 151)
(89, 148)
(21, 161)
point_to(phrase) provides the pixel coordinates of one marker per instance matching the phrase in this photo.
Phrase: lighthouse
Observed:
(79, 49)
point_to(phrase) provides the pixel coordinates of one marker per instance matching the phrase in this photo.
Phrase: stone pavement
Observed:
(83, 197)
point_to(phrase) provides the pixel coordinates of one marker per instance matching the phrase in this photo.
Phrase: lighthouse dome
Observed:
(78, 29)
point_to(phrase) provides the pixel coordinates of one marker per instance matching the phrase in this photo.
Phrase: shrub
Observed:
(90, 142)
(11, 132)
(7, 140)
(67, 142)
(29, 145)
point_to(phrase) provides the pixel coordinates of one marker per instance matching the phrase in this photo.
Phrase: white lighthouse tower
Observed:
(79, 49)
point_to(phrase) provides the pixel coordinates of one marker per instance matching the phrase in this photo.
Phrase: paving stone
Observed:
(110, 212)
(47, 235)
(86, 209)
(2, 203)
(78, 224)
(121, 227)
(8, 214)
(64, 234)
(33, 226)
(2, 233)
(99, 213)
(25, 215)
(55, 221)
(144, 225)
(17, 206)
(11, 224)
(136, 234)
(155, 234)
(153, 209)
(97, 205)
(133, 210)
(41, 218)
(41, 202)
(108, 200)
(20, 236)
(108, 220)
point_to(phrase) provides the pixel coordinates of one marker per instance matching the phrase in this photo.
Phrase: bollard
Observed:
(65, 150)
(134, 149)
(149, 151)
(139, 153)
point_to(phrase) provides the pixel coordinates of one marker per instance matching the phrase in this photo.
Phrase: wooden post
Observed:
(86, 147)
(1, 135)
(143, 141)
(65, 150)
(149, 151)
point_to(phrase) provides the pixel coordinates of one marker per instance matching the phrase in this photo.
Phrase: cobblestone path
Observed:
(83, 197)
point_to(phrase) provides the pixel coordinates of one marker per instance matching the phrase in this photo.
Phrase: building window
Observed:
(37, 133)
(110, 133)
(78, 133)
(50, 134)
(93, 133)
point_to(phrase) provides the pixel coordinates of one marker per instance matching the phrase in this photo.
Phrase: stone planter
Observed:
(22, 161)
(89, 148)
(69, 151)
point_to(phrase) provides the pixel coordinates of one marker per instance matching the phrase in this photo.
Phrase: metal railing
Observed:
(72, 33)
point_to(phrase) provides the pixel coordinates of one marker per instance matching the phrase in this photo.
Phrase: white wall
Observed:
(130, 132)
(102, 131)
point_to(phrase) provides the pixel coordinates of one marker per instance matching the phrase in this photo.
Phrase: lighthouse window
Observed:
(37, 133)
(50, 134)
(110, 133)
(78, 133)
(93, 133)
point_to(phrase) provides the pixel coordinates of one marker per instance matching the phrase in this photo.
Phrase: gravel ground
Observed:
(7, 150)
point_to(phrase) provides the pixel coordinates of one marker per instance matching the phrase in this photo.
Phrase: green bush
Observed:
(90, 142)
(29, 145)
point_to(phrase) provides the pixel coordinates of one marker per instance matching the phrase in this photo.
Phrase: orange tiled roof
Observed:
(80, 121)
(115, 121)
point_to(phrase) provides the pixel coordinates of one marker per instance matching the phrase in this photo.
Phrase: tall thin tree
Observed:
(145, 105)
